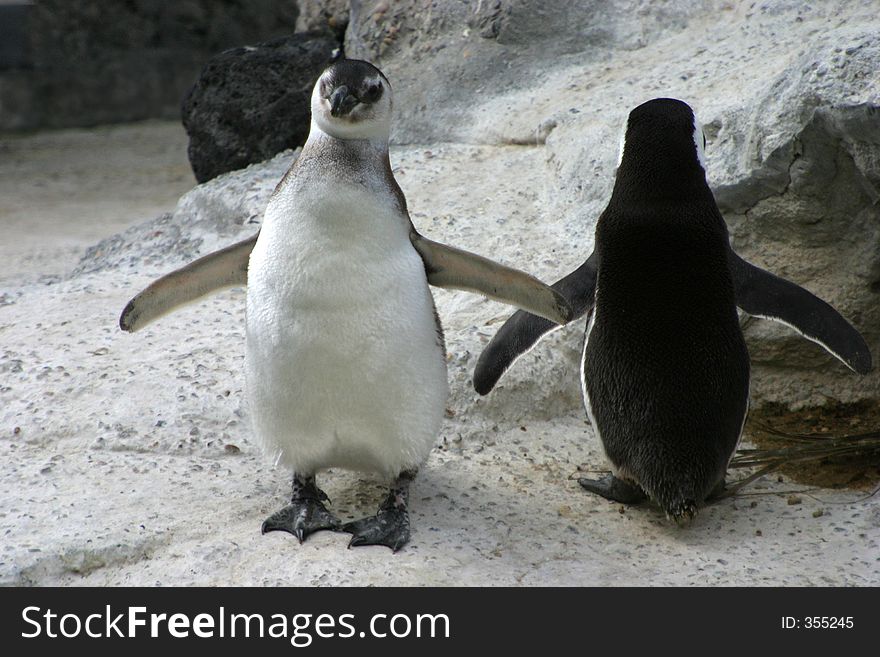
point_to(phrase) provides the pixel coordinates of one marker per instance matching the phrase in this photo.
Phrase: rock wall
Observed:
(94, 62)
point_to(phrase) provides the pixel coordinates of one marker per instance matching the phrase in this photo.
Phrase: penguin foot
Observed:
(306, 513)
(614, 489)
(302, 519)
(390, 525)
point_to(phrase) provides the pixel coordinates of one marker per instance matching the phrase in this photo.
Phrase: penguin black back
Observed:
(665, 365)
(665, 369)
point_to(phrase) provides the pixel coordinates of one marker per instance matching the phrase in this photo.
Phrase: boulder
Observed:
(252, 102)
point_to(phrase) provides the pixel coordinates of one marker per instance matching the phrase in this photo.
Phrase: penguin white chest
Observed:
(344, 363)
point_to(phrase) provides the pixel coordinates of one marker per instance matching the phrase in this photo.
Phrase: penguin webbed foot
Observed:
(390, 525)
(614, 489)
(306, 513)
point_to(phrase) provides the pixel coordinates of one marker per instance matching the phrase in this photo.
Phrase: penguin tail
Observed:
(682, 513)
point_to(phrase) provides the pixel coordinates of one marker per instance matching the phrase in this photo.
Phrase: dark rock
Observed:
(250, 103)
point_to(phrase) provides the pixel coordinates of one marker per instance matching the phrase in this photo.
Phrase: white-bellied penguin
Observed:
(345, 358)
(665, 370)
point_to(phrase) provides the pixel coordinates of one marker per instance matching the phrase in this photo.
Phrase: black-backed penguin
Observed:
(665, 370)
(345, 358)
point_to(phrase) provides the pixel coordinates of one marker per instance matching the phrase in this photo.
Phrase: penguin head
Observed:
(352, 100)
(663, 144)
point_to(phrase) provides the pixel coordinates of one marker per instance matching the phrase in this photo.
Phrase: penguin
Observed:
(664, 368)
(345, 360)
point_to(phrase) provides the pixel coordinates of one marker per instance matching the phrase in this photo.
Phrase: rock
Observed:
(445, 57)
(808, 209)
(215, 214)
(252, 102)
(330, 16)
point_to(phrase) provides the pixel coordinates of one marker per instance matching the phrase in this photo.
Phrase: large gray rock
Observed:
(807, 207)
(330, 16)
(449, 57)
(252, 102)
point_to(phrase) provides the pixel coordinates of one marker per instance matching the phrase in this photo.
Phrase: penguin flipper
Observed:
(224, 268)
(762, 294)
(456, 269)
(523, 330)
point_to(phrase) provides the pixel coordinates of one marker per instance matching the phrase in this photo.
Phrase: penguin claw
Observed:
(682, 514)
(302, 518)
(614, 489)
(389, 527)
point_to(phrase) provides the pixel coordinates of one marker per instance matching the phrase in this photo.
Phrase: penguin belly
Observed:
(667, 393)
(345, 360)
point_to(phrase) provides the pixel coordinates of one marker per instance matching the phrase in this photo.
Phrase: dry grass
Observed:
(830, 447)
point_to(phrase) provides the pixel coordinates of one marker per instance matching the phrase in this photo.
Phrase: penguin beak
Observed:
(341, 102)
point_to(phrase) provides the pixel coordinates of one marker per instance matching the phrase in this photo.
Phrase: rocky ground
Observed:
(127, 459)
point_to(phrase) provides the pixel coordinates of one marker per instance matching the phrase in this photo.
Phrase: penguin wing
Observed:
(453, 268)
(762, 294)
(523, 331)
(224, 268)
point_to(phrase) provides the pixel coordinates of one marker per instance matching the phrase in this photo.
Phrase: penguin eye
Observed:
(372, 93)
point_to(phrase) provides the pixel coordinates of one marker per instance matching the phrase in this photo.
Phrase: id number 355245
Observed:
(817, 622)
